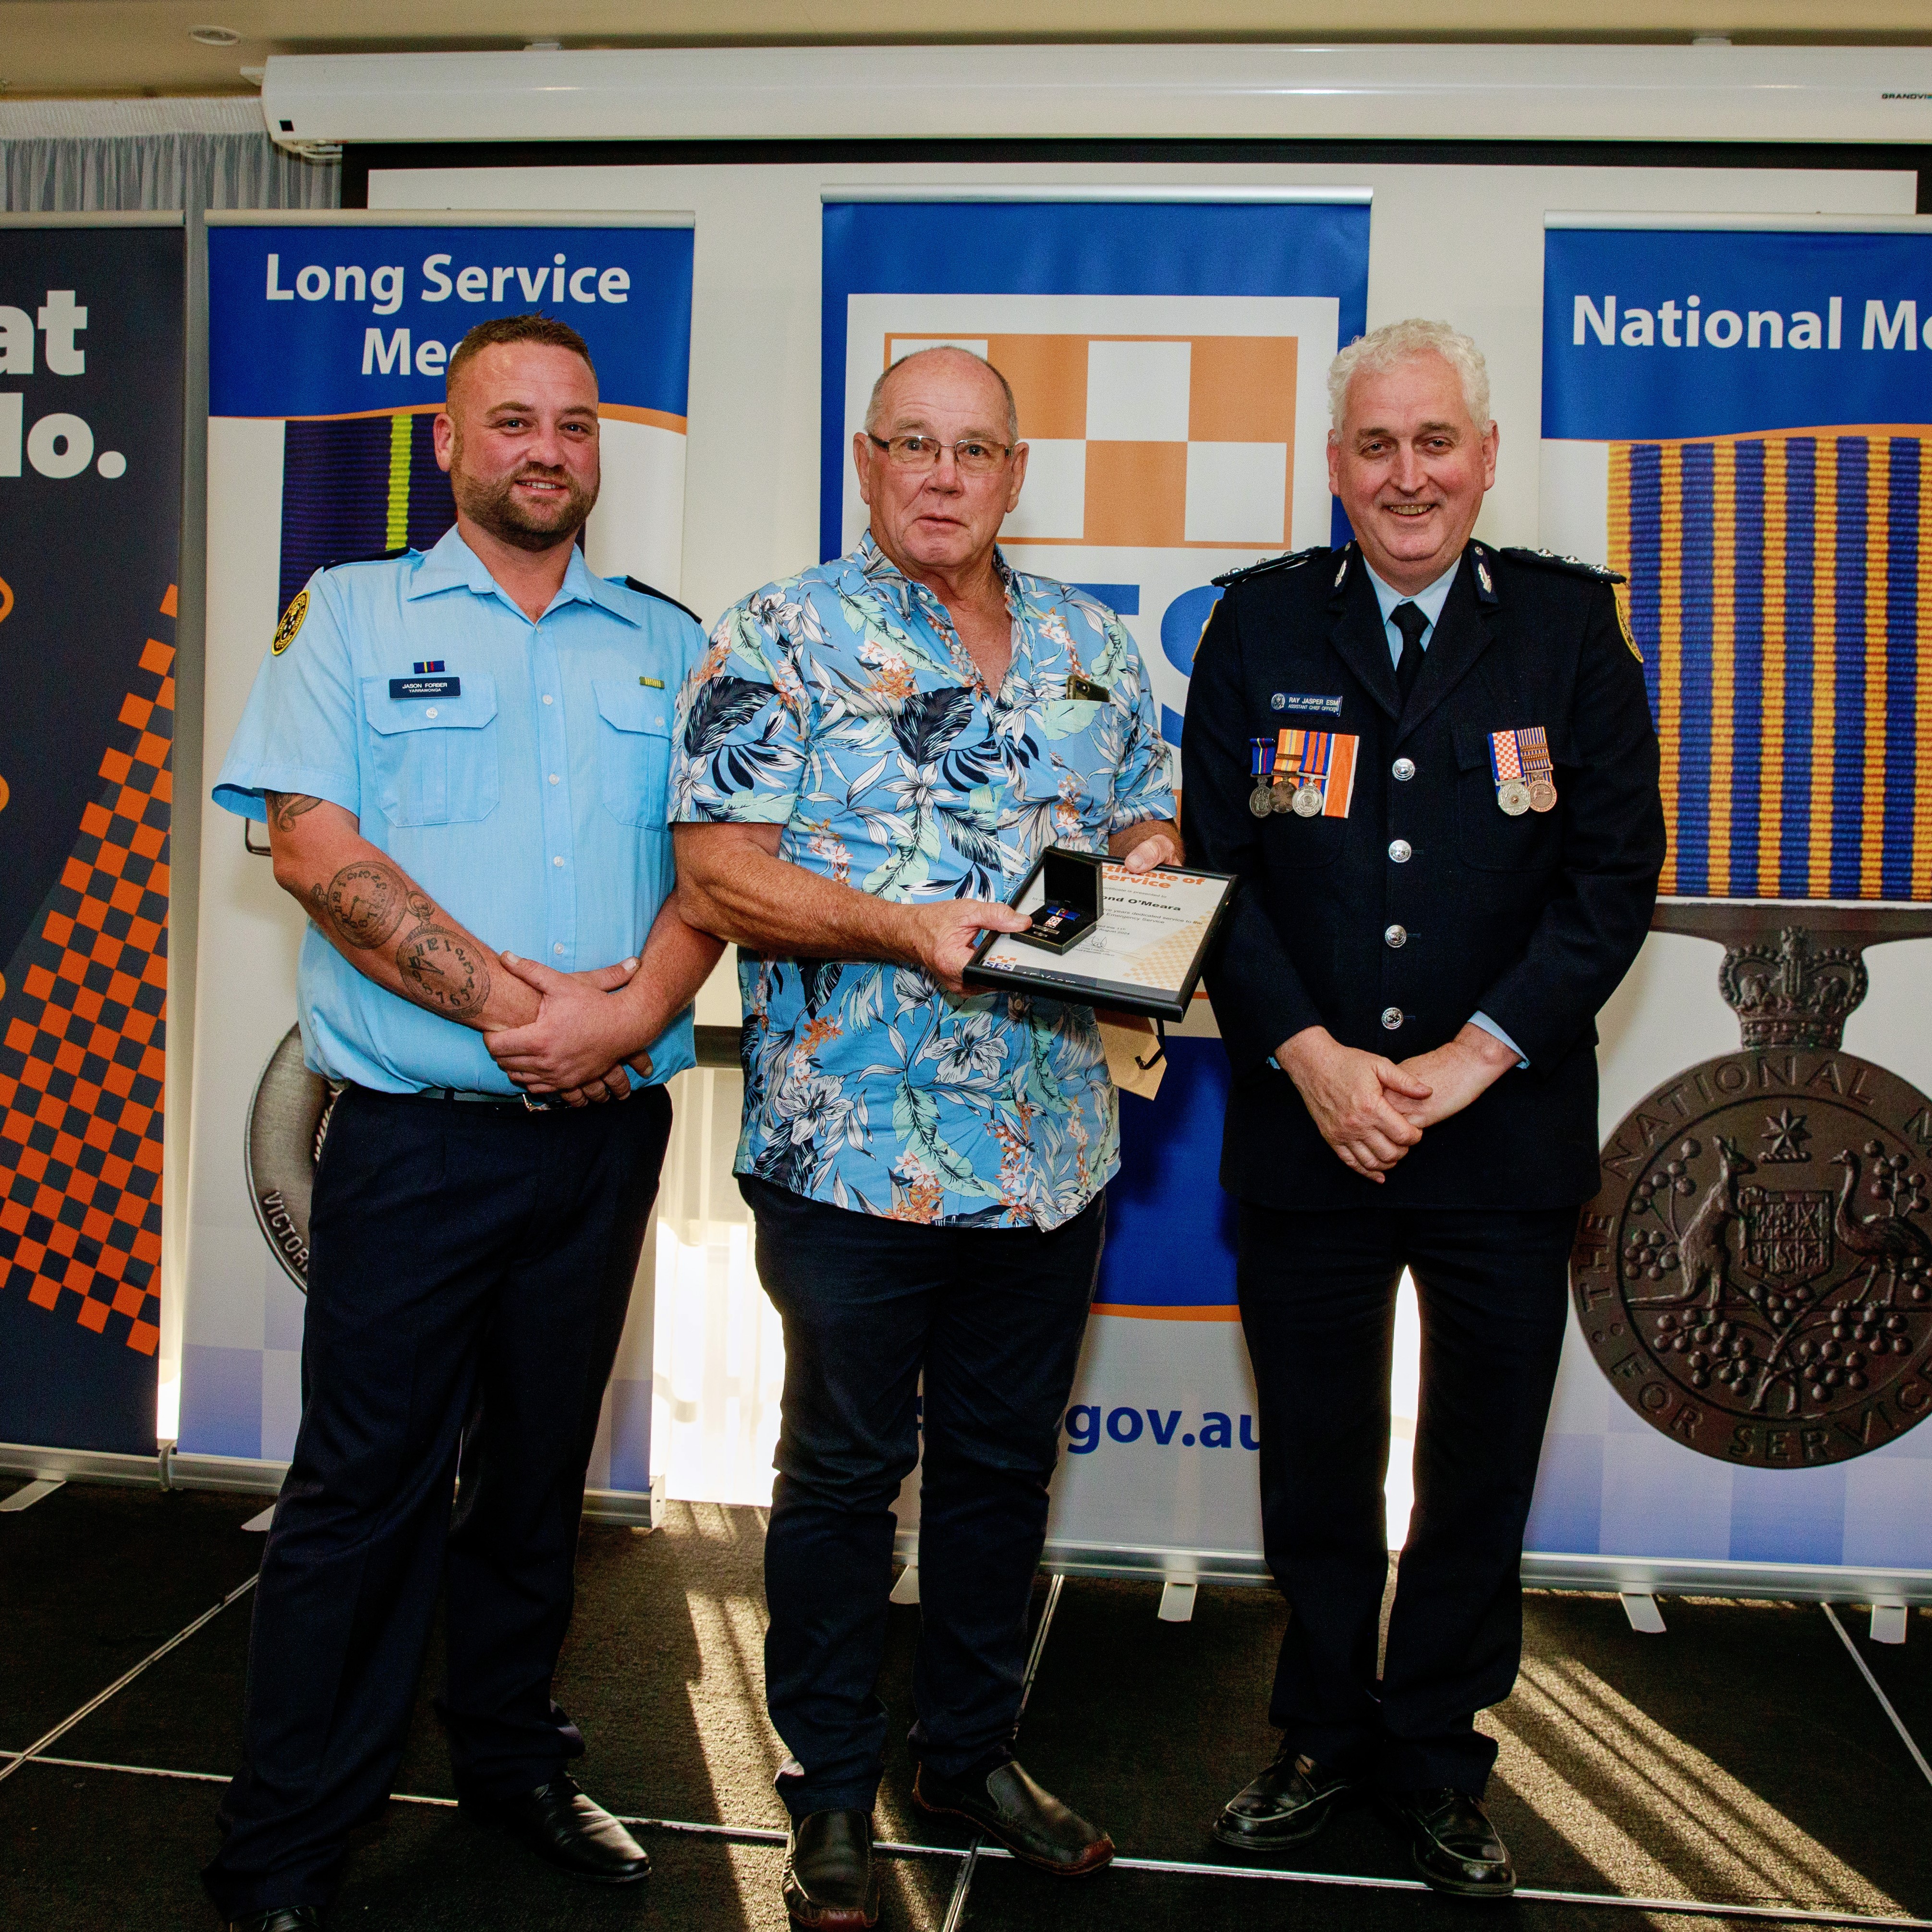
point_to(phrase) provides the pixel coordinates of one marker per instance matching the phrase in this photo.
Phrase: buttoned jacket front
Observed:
(1427, 902)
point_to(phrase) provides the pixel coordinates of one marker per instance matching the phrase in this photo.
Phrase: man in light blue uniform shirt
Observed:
(463, 760)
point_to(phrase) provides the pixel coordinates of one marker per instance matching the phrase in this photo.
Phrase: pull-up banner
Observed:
(1737, 418)
(329, 340)
(1169, 360)
(90, 532)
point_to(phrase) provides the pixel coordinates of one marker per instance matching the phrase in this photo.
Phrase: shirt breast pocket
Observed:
(435, 760)
(1490, 839)
(633, 751)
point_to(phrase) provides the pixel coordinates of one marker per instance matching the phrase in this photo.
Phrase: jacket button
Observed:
(1391, 1018)
(1402, 770)
(1396, 935)
(1400, 850)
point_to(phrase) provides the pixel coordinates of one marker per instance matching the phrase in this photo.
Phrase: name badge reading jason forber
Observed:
(425, 687)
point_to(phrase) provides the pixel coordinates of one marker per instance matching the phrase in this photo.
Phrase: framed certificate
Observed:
(1142, 955)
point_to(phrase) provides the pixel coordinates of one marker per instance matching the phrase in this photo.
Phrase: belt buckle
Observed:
(537, 1106)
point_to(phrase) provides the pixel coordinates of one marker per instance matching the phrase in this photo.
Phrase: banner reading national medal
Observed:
(1167, 355)
(1737, 416)
(91, 312)
(328, 340)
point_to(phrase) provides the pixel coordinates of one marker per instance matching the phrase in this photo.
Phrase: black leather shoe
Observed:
(283, 1919)
(1454, 1844)
(1029, 1822)
(828, 1884)
(559, 1823)
(1289, 1802)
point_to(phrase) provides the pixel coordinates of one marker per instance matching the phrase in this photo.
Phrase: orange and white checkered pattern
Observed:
(1147, 442)
(83, 1025)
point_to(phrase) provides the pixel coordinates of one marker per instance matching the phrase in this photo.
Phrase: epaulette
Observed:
(663, 597)
(374, 556)
(1286, 562)
(1574, 566)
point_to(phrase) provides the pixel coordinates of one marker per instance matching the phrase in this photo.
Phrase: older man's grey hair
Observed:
(1395, 343)
(944, 349)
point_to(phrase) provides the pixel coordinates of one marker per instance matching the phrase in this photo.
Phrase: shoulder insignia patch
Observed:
(291, 623)
(1624, 625)
(663, 597)
(1288, 561)
(1574, 566)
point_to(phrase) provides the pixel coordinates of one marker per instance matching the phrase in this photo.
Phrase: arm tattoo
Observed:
(285, 807)
(444, 972)
(365, 903)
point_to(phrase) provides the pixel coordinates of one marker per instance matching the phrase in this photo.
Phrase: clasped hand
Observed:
(577, 1046)
(1371, 1110)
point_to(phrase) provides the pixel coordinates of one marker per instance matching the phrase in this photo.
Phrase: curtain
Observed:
(54, 174)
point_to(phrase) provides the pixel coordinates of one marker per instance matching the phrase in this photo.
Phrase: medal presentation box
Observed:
(1143, 954)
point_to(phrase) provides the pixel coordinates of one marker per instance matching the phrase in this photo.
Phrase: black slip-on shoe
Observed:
(829, 1885)
(1028, 1820)
(1289, 1802)
(568, 1830)
(280, 1918)
(1454, 1844)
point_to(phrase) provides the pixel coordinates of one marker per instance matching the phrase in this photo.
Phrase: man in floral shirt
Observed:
(870, 759)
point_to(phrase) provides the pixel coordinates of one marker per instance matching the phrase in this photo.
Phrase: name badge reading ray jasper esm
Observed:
(425, 687)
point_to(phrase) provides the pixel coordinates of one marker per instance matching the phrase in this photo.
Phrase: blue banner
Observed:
(1670, 333)
(1756, 409)
(340, 321)
(91, 346)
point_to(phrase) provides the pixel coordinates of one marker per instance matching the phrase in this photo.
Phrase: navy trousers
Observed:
(470, 1270)
(994, 1317)
(1318, 1295)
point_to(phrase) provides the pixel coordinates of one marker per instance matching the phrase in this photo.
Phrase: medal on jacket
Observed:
(1506, 762)
(1538, 771)
(1307, 755)
(1260, 763)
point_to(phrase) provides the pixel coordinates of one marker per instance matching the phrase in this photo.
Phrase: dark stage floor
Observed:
(1741, 1759)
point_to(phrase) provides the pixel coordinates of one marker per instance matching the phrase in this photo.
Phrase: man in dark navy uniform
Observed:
(1431, 762)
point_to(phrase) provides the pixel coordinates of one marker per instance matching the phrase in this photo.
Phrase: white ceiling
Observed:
(124, 47)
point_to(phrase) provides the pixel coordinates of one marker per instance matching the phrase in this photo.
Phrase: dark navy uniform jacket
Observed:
(1427, 903)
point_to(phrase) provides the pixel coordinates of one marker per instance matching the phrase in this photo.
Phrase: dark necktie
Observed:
(1408, 619)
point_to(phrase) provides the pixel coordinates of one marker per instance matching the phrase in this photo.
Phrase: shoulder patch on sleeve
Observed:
(1624, 625)
(1288, 561)
(291, 623)
(1572, 566)
(662, 596)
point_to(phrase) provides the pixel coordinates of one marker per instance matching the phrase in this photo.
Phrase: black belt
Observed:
(524, 1101)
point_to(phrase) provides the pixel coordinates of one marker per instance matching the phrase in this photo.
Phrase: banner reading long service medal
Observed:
(90, 532)
(1169, 360)
(329, 340)
(1737, 419)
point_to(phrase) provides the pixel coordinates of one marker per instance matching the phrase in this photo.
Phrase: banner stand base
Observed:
(169, 1469)
(1888, 1590)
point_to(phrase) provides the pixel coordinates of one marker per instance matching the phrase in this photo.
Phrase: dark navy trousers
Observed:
(470, 1266)
(993, 1317)
(1318, 1293)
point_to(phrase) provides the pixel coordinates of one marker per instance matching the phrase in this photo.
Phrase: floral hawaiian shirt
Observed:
(841, 705)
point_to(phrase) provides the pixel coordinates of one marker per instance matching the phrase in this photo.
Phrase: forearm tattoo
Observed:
(285, 807)
(365, 904)
(444, 971)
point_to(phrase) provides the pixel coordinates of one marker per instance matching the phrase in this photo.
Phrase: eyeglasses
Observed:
(973, 455)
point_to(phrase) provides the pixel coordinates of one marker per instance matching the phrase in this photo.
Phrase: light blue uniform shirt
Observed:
(530, 803)
(1430, 601)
